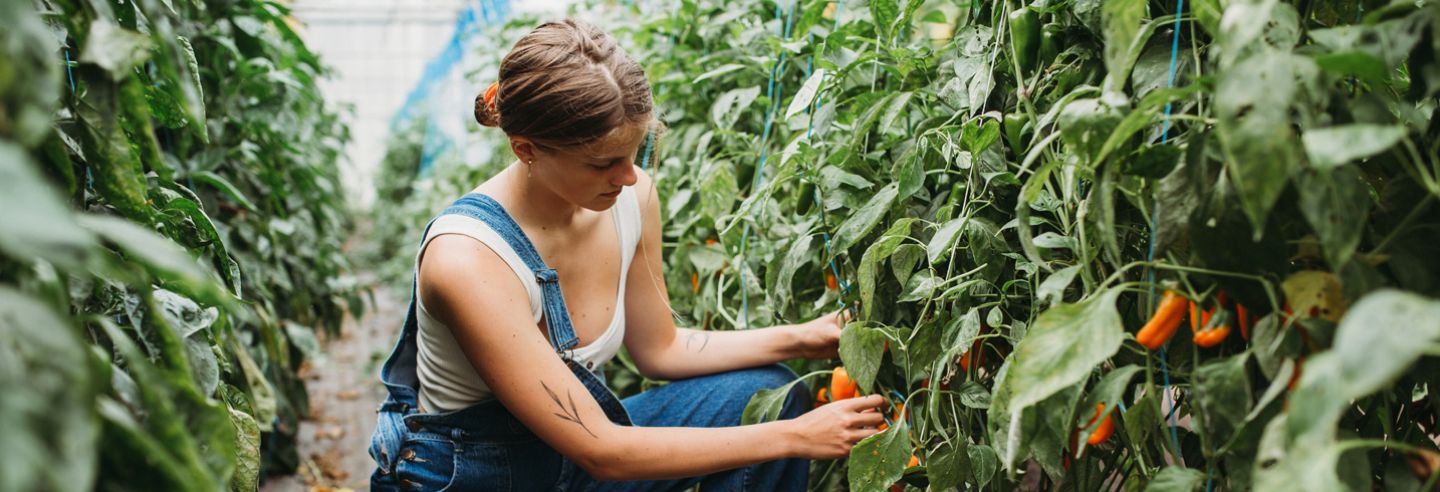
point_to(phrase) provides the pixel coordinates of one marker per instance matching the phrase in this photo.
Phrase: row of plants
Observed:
(1006, 191)
(171, 230)
(1138, 245)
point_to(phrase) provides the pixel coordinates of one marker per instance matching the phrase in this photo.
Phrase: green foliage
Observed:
(1004, 229)
(170, 201)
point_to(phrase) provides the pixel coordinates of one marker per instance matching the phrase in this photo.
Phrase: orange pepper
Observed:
(1166, 320)
(1211, 337)
(896, 416)
(1103, 431)
(841, 386)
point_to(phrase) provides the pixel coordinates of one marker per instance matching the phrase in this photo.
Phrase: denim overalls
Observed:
(484, 447)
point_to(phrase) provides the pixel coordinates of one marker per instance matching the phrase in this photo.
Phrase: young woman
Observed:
(494, 383)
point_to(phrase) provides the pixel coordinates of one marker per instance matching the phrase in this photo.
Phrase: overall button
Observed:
(407, 455)
(590, 365)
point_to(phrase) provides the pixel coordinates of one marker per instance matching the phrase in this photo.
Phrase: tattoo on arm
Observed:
(570, 414)
(698, 338)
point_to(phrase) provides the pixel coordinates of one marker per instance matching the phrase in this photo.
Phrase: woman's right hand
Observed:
(828, 432)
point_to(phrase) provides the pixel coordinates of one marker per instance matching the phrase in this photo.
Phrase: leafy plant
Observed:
(1004, 205)
(171, 236)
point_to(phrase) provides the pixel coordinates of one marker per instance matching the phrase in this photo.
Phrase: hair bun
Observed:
(485, 114)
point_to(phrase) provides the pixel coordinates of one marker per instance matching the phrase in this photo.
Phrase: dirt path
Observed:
(344, 389)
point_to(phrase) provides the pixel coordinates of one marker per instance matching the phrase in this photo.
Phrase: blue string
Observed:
(759, 179)
(845, 287)
(1154, 214)
(69, 71)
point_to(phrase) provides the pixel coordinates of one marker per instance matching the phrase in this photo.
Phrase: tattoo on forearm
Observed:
(698, 338)
(571, 414)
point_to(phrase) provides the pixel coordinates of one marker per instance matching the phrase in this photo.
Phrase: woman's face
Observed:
(592, 175)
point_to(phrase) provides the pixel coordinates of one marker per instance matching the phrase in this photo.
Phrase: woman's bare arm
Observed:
(663, 351)
(470, 289)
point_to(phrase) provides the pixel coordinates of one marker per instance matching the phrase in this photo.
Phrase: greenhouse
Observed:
(828, 245)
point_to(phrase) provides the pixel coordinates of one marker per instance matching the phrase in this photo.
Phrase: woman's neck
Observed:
(537, 205)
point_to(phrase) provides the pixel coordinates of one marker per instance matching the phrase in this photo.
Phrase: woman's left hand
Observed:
(819, 338)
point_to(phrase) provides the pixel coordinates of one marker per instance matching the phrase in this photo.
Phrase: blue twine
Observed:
(845, 287)
(68, 71)
(1154, 218)
(759, 179)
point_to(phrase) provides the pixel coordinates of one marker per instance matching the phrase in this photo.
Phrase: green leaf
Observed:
(1378, 341)
(949, 465)
(191, 323)
(728, 107)
(976, 137)
(114, 49)
(34, 220)
(865, 219)
(765, 404)
(1110, 390)
(940, 243)
(1253, 102)
(50, 432)
(718, 71)
(1336, 145)
(984, 462)
(876, 253)
(718, 192)
(1176, 479)
(861, 350)
(1222, 392)
(247, 441)
(1052, 290)
(884, 13)
(1336, 203)
(229, 189)
(1143, 419)
(895, 110)
(903, 262)
(1122, 26)
(262, 393)
(160, 256)
(1063, 346)
(805, 95)
(878, 461)
(797, 256)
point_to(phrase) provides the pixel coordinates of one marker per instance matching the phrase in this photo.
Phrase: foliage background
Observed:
(170, 242)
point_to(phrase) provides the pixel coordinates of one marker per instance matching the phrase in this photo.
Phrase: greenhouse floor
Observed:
(344, 392)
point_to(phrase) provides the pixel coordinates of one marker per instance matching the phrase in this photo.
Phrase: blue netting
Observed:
(427, 102)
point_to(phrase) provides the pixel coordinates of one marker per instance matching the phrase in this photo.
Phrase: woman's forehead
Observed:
(620, 142)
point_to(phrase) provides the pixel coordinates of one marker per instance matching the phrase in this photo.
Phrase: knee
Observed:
(749, 381)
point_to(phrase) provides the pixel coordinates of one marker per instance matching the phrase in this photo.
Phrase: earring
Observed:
(529, 168)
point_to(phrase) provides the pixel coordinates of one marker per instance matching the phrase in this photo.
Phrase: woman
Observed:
(493, 384)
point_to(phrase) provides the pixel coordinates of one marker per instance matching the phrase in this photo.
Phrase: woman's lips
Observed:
(612, 194)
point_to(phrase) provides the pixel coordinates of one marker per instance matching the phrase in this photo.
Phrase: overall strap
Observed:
(557, 317)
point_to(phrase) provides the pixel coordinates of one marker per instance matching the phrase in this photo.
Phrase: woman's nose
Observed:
(626, 176)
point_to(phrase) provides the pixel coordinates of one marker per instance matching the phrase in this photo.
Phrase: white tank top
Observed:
(447, 380)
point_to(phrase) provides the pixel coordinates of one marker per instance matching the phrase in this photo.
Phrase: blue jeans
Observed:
(484, 447)
(716, 401)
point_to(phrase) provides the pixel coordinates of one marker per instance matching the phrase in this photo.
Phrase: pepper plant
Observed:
(1004, 191)
(170, 242)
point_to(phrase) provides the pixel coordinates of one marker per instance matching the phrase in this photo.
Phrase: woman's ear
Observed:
(523, 148)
